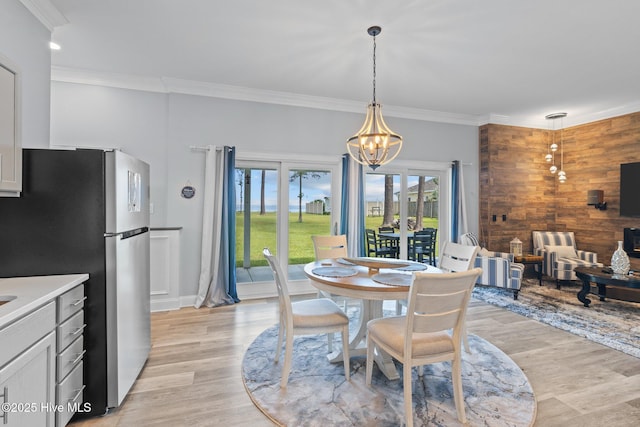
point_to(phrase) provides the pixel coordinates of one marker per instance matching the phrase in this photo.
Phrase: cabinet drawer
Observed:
(69, 395)
(69, 358)
(24, 332)
(70, 302)
(70, 330)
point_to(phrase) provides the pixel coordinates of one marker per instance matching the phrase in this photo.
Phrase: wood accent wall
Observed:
(515, 181)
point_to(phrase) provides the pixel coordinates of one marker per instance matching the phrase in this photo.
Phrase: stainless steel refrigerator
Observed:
(87, 211)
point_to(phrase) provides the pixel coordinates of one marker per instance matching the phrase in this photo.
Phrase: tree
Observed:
(387, 217)
(262, 181)
(240, 181)
(420, 204)
(300, 175)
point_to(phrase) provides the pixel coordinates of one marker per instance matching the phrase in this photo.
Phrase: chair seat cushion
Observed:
(389, 331)
(562, 251)
(564, 264)
(317, 312)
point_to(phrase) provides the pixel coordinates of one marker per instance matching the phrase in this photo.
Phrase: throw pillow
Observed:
(562, 251)
(469, 239)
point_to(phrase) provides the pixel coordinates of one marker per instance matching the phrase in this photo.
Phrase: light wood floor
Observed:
(192, 377)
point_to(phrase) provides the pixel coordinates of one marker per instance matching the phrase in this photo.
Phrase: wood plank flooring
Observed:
(192, 377)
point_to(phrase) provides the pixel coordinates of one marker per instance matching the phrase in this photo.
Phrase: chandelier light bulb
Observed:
(553, 169)
(548, 158)
(554, 147)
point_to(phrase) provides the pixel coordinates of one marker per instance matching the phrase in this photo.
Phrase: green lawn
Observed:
(300, 246)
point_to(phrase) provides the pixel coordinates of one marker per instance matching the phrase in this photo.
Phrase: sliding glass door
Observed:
(407, 200)
(256, 219)
(280, 205)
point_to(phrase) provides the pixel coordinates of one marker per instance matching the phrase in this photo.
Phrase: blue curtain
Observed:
(455, 200)
(230, 200)
(217, 284)
(459, 221)
(352, 206)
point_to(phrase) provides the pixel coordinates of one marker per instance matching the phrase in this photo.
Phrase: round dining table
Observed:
(389, 279)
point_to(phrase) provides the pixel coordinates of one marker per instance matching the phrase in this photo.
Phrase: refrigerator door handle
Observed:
(129, 233)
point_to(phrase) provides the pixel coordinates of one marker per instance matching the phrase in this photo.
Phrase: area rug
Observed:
(613, 323)
(496, 391)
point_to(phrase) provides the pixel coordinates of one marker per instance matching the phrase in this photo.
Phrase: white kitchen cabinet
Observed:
(41, 350)
(10, 130)
(69, 353)
(27, 370)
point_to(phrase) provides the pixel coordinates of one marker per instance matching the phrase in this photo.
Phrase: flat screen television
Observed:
(630, 189)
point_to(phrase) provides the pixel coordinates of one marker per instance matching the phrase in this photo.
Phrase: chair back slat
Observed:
(281, 283)
(456, 257)
(329, 246)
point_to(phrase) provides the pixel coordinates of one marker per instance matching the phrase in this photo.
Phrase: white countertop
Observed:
(32, 292)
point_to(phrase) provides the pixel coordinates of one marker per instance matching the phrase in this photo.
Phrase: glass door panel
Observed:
(256, 218)
(310, 210)
(382, 207)
(423, 192)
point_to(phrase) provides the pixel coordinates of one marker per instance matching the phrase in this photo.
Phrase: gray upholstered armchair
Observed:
(560, 254)
(498, 268)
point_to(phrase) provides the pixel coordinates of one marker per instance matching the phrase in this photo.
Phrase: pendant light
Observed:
(374, 144)
(550, 157)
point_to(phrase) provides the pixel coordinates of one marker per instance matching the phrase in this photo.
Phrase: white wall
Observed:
(25, 42)
(160, 128)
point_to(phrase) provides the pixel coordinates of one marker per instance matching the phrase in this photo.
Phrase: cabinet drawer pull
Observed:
(77, 359)
(5, 399)
(79, 301)
(77, 394)
(77, 331)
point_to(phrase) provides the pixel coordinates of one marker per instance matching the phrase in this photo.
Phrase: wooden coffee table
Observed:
(535, 260)
(602, 278)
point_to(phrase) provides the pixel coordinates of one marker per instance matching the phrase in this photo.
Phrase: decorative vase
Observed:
(620, 260)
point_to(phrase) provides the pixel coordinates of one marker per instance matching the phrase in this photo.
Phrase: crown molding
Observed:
(46, 13)
(121, 81)
(214, 90)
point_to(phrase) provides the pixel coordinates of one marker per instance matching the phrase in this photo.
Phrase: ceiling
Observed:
(457, 61)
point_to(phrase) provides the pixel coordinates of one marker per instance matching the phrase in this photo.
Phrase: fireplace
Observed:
(631, 243)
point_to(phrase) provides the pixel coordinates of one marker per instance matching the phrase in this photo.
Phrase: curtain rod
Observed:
(207, 148)
(465, 164)
(196, 148)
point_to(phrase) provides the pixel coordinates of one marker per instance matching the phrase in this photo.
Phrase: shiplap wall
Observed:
(514, 181)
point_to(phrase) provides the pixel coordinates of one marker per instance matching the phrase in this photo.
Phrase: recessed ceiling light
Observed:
(54, 46)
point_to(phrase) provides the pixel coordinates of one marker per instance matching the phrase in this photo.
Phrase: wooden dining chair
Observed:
(326, 247)
(331, 247)
(307, 317)
(430, 332)
(457, 257)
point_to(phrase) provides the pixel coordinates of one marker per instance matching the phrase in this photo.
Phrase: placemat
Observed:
(414, 266)
(334, 271)
(393, 279)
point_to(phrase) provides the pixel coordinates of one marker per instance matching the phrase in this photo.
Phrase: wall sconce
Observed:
(596, 198)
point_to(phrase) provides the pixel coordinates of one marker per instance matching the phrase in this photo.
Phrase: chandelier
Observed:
(374, 144)
(553, 148)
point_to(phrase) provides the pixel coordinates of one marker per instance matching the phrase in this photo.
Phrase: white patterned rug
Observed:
(613, 323)
(496, 391)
